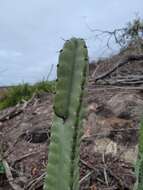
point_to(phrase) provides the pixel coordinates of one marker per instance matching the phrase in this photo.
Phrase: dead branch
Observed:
(85, 177)
(25, 156)
(130, 58)
(9, 176)
(14, 111)
(35, 182)
(10, 114)
(113, 87)
(117, 35)
(125, 36)
(123, 82)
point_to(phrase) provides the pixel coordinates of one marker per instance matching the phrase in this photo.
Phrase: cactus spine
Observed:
(62, 169)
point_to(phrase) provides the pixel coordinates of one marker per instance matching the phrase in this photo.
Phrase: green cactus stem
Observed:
(62, 170)
(139, 163)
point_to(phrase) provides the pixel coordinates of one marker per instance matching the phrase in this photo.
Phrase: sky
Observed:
(33, 31)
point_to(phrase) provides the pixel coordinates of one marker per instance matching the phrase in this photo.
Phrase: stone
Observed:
(126, 106)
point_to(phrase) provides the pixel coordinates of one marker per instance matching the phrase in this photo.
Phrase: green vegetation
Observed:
(25, 91)
(2, 169)
(134, 30)
(139, 164)
(63, 158)
(131, 37)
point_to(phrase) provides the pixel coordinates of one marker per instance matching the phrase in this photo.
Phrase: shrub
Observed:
(25, 91)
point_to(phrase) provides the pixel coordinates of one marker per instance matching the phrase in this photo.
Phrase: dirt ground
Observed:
(109, 145)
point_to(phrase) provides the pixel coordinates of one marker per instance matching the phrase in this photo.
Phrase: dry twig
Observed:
(9, 176)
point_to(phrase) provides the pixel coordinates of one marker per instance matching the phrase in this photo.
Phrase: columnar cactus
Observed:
(139, 163)
(63, 158)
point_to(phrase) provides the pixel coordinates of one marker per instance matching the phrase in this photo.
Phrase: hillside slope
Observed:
(110, 142)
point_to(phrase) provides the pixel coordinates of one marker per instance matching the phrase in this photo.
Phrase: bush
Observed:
(25, 91)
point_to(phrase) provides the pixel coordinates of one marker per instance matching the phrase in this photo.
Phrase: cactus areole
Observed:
(62, 171)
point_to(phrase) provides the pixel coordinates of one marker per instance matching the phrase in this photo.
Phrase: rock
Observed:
(105, 146)
(126, 106)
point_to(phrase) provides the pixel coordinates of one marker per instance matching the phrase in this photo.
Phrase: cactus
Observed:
(139, 163)
(62, 169)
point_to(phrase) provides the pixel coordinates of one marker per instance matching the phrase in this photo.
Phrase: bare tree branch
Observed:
(120, 63)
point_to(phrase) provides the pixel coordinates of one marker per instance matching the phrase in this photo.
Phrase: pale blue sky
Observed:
(31, 32)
